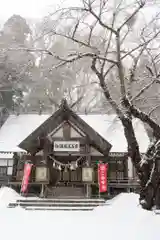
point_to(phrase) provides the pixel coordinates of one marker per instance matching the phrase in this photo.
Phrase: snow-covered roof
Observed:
(17, 128)
(8, 155)
(111, 129)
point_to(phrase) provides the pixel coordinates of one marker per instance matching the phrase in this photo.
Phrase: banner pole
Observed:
(99, 193)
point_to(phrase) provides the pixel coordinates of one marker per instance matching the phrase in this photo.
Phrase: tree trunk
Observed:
(150, 187)
(157, 197)
(146, 168)
(150, 195)
(133, 148)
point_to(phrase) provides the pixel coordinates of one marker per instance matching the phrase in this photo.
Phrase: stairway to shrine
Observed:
(58, 204)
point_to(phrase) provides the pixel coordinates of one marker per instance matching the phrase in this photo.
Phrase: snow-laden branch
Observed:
(137, 113)
(105, 89)
(136, 11)
(146, 87)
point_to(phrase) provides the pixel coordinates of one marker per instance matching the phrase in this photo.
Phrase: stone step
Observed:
(60, 208)
(55, 204)
(61, 204)
(62, 200)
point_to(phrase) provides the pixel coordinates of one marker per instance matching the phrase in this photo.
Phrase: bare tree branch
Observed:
(76, 102)
(64, 61)
(141, 5)
(105, 89)
(147, 86)
(129, 53)
(153, 63)
(104, 25)
(153, 109)
(150, 70)
(143, 117)
(72, 38)
(120, 67)
(109, 42)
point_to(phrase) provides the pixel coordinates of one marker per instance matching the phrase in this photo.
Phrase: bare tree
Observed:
(103, 32)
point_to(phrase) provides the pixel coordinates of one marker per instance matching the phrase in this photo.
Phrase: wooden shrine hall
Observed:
(64, 149)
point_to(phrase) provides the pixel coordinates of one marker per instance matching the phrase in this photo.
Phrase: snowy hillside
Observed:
(123, 219)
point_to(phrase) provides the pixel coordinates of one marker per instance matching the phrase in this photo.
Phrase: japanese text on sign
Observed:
(102, 176)
(27, 171)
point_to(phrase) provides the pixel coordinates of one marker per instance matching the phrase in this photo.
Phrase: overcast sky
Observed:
(36, 8)
(26, 8)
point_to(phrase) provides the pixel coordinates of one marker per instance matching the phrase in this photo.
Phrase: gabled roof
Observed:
(17, 128)
(62, 114)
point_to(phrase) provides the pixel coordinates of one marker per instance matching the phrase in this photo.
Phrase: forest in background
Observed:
(30, 83)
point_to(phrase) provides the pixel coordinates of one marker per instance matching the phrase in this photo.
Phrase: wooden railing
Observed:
(5, 179)
(111, 181)
(125, 181)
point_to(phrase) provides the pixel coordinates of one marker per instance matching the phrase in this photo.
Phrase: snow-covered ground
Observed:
(123, 219)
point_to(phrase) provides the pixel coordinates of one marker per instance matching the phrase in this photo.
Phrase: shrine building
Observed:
(64, 149)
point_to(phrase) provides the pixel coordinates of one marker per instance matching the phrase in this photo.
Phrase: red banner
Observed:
(26, 175)
(102, 176)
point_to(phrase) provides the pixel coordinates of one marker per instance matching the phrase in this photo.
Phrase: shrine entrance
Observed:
(70, 176)
(66, 145)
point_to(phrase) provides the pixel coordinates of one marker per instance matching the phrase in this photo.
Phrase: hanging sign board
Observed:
(66, 146)
(87, 174)
(102, 176)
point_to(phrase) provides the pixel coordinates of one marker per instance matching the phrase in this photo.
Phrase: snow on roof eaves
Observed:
(17, 128)
(6, 156)
(111, 129)
(10, 149)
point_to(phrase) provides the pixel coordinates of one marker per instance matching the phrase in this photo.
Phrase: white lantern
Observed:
(59, 168)
(41, 174)
(73, 166)
(87, 174)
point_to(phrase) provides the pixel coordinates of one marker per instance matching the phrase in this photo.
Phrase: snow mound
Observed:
(123, 199)
(126, 199)
(7, 195)
(124, 219)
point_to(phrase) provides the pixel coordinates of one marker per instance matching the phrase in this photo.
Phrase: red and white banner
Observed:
(102, 176)
(26, 175)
